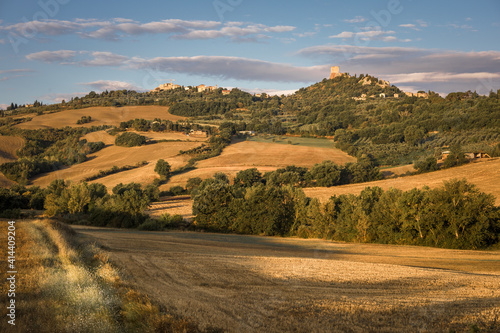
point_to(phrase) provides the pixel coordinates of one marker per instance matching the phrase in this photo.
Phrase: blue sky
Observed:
(55, 49)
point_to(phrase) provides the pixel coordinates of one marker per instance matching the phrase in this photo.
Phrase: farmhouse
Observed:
(194, 133)
(251, 133)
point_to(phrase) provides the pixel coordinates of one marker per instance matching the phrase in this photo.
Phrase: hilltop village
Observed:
(334, 73)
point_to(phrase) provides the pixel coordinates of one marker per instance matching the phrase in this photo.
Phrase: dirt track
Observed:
(263, 284)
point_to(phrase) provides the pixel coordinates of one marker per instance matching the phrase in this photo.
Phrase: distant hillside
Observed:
(365, 114)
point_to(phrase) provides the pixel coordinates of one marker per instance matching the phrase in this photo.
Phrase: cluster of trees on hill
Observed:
(47, 150)
(454, 216)
(130, 139)
(161, 125)
(84, 120)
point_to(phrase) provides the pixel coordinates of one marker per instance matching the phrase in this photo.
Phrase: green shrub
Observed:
(129, 139)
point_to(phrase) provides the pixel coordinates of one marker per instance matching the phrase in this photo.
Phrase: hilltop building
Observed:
(334, 72)
(166, 86)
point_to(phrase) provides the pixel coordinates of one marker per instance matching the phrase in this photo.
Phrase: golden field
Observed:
(101, 115)
(484, 174)
(264, 284)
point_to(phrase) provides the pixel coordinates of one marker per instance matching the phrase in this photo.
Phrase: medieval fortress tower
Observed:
(335, 71)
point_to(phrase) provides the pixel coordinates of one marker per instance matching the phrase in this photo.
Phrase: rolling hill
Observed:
(113, 155)
(101, 115)
(485, 175)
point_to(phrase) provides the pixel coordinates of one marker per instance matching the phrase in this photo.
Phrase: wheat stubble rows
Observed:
(250, 284)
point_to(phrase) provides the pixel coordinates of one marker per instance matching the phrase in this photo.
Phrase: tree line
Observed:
(456, 215)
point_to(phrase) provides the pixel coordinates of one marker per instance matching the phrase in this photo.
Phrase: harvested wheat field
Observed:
(113, 155)
(261, 155)
(101, 115)
(253, 154)
(8, 147)
(485, 174)
(263, 284)
(172, 206)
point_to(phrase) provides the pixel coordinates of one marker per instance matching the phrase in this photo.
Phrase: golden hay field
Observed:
(261, 155)
(120, 156)
(101, 115)
(264, 284)
(251, 154)
(8, 147)
(485, 174)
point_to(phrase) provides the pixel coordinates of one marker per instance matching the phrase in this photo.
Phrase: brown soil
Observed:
(263, 284)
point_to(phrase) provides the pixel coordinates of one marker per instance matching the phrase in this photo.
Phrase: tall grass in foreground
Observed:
(65, 286)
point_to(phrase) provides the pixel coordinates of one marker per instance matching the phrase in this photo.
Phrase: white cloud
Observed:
(17, 73)
(232, 68)
(357, 19)
(58, 98)
(441, 70)
(211, 66)
(102, 85)
(422, 23)
(366, 35)
(270, 92)
(119, 28)
(52, 56)
(439, 77)
(21, 70)
(460, 26)
(105, 59)
(4, 106)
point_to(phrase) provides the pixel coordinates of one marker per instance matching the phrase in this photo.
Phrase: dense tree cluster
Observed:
(456, 215)
(130, 139)
(84, 120)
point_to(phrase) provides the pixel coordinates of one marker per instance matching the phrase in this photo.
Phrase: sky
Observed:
(52, 50)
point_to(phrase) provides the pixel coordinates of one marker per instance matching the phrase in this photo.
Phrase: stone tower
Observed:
(335, 71)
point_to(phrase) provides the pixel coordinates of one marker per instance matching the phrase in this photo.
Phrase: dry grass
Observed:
(65, 285)
(258, 284)
(100, 116)
(55, 292)
(485, 174)
(121, 156)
